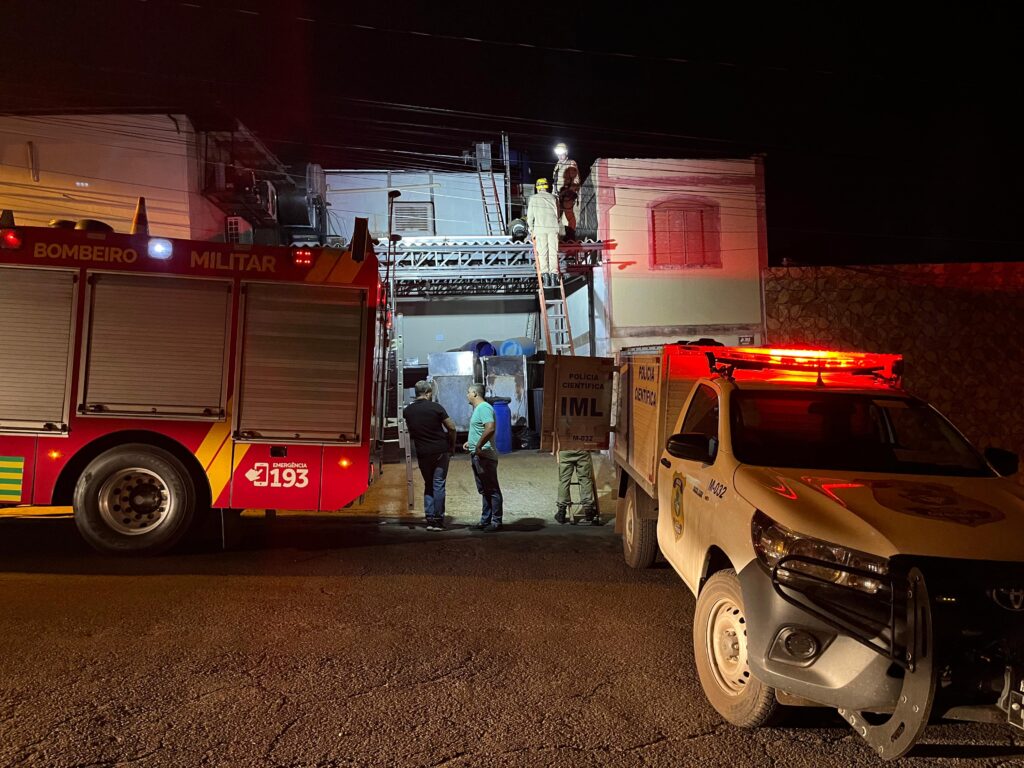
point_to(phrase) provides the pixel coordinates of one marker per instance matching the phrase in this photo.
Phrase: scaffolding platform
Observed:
(486, 265)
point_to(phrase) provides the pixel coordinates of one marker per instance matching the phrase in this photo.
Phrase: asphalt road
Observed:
(360, 642)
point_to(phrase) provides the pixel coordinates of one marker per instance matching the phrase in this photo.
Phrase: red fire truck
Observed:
(145, 380)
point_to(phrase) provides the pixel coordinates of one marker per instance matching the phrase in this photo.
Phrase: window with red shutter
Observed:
(685, 232)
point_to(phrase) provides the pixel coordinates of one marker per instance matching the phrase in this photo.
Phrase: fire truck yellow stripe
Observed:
(216, 451)
(213, 442)
(344, 271)
(222, 466)
(323, 267)
(7, 462)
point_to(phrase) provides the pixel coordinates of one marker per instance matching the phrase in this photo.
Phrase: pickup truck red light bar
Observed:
(727, 359)
(693, 361)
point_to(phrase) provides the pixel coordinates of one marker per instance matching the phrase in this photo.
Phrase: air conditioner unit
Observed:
(296, 209)
(266, 198)
(237, 230)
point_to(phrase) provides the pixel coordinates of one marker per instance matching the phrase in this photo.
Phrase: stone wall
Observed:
(959, 327)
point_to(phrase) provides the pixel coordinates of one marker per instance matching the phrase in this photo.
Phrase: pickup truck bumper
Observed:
(795, 652)
(958, 623)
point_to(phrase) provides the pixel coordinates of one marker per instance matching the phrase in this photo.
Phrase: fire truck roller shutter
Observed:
(36, 308)
(157, 345)
(301, 363)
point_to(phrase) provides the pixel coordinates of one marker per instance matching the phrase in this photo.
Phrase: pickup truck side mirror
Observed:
(692, 446)
(1004, 462)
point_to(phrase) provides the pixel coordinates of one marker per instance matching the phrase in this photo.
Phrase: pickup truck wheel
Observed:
(639, 536)
(134, 500)
(720, 653)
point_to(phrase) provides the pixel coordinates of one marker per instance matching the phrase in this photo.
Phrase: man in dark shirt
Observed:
(427, 422)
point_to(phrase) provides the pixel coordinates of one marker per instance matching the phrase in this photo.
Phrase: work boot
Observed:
(560, 516)
(570, 235)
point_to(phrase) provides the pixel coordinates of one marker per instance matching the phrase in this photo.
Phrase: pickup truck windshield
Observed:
(843, 431)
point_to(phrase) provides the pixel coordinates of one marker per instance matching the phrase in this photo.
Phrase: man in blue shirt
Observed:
(484, 458)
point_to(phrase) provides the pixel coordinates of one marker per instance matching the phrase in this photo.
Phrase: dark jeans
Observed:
(485, 472)
(434, 468)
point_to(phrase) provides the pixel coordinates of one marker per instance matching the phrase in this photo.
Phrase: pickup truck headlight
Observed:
(772, 542)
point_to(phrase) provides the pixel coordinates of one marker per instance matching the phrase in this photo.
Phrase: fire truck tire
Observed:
(134, 500)
(720, 655)
(639, 535)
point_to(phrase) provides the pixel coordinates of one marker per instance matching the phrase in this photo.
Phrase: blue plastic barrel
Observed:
(502, 426)
(520, 345)
(482, 347)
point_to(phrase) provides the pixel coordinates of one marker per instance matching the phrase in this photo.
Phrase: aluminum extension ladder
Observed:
(493, 215)
(554, 315)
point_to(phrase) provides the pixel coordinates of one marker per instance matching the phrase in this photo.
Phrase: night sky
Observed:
(886, 138)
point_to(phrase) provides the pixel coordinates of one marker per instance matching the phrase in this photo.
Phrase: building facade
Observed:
(97, 167)
(203, 178)
(688, 247)
(432, 203)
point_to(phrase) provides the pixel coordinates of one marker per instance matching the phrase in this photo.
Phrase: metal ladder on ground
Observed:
(554, 315)
(494, 217)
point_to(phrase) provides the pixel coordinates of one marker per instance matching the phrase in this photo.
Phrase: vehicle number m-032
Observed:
(265, 475)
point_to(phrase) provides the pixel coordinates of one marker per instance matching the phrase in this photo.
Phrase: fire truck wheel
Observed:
(720, 654)
(134, 500)
(639, 535)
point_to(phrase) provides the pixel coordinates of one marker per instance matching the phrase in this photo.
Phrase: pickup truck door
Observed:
(688, 492)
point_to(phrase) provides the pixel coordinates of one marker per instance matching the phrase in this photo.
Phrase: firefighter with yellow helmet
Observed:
(542, 219)
(566, 175)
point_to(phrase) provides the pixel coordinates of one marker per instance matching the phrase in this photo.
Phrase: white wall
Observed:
(441, 325)
(457, 321)
(97, 166)
(579, 321)
(645, 305)
(458, 206)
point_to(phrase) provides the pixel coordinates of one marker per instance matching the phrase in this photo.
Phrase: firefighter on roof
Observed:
(542, 219)
(567, 188)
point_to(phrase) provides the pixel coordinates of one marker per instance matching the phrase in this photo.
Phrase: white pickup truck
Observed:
(846, 545)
